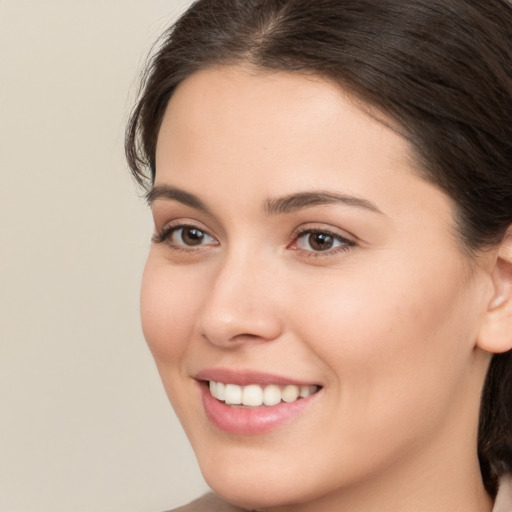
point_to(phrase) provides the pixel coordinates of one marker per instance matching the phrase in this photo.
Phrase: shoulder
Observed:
(208, 503)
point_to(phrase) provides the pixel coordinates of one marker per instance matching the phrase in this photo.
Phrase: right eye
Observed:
(184, 237)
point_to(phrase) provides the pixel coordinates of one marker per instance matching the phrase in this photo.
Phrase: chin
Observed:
(248, 477)
(256, 494)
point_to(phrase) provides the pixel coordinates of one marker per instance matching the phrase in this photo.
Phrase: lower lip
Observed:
(250, 420)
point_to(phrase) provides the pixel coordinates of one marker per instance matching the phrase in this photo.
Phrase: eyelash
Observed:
(165, 236)
(345, 243)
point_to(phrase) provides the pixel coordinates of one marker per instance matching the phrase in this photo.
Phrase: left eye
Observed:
(320, 241)
(190, 236)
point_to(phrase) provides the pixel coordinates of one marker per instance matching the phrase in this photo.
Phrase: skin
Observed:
(387, 323)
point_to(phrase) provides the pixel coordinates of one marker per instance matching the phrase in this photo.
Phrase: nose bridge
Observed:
(240, 305)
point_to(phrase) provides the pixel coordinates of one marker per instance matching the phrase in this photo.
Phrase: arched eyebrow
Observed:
(273, 206)
(175, 194)
(302, 200)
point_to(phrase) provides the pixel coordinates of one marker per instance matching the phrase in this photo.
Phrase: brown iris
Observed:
(320, 241)
(192, 236)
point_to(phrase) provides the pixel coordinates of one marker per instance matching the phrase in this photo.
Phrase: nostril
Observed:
(229, 339)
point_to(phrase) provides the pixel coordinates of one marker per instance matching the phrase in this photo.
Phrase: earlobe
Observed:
(495, 334)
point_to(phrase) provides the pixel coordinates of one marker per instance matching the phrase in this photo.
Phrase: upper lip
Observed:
(246, 377)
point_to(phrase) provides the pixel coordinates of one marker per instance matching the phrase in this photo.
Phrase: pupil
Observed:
(320, 241)
(192, 236)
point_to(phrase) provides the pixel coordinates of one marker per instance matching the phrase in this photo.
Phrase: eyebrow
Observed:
(175, 194)
(302, 200)
(275, 206)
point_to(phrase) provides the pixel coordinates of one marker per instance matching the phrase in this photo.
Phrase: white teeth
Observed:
(233, 394)
(271, 395)
(220, 389)
(290, 393)
(252, 395)
(217, 389)
(255, 396)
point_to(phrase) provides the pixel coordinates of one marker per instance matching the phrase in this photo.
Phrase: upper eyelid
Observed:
(319, 227)
(344, 239)
(300, 232)
(163, 220)
(184, 222)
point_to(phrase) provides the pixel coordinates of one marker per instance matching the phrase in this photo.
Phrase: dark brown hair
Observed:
(442, 69)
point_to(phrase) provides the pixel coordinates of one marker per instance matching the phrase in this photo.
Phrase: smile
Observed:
(251, 403)
(255, 395)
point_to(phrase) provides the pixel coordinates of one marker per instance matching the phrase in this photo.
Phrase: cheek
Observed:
(167, 312)
(396, 342)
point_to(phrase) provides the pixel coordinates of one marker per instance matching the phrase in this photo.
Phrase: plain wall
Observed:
(84, 423)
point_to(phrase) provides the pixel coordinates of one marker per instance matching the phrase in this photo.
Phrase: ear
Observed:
(495, 334)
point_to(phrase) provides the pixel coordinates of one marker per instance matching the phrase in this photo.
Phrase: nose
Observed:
(241, 305)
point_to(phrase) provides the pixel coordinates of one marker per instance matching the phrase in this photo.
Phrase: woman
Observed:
(328, 294)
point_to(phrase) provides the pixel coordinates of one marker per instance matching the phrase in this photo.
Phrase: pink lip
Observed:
(244, 378)
(249, 420)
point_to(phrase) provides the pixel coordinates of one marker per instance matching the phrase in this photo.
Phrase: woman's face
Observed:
(296, 249)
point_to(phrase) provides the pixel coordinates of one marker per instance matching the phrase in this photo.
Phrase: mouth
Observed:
(248, 403)
(256, 395)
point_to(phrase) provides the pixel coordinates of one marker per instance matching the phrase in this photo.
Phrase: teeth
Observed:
(233, 394)
(290, 394)
(220, 390)
(271, 395)
(252, 395)
(255, 396)
(305, 391)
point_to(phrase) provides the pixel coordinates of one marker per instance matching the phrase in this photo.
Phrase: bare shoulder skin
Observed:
(208, 503)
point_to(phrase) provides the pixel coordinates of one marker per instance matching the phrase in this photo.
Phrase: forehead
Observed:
(226, 114)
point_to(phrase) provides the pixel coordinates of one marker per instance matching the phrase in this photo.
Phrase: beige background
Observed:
(84, 423)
